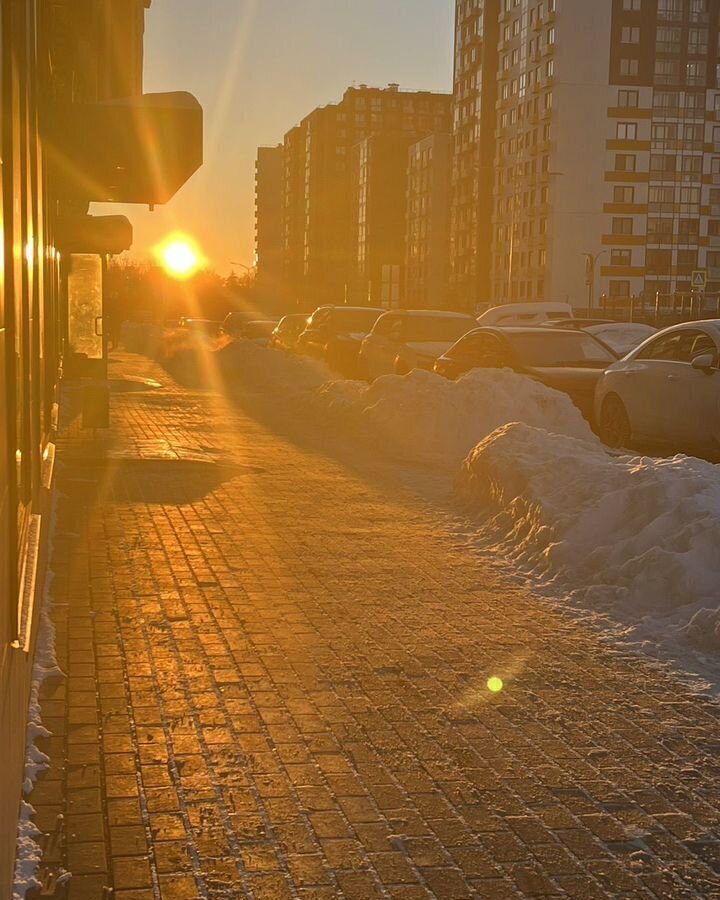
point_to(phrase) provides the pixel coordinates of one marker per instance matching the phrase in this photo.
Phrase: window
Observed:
(630, 34)
(625, 162)
(622, 194)
(619, 288)
(658, 262)
(622, 225)
(660, 229)
(628, 99)
(679, 346)
(620, 257)
(695, 73)
(626, 131)
(663, 163)
(631, 5)
(629, 68)
(689, 228)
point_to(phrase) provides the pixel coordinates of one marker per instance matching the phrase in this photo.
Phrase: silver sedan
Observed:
(666, 393)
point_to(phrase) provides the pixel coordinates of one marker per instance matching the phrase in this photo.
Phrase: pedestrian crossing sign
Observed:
(699, 279)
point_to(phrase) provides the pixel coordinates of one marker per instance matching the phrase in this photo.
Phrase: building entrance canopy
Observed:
(135, 150)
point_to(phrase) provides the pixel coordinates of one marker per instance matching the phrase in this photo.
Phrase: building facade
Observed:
(269, 177)
(662, 200)
(319, 223)
(378, 170)
(474, 123)
(553, 96)
(75, 128)
(427, 240)
(599, 153)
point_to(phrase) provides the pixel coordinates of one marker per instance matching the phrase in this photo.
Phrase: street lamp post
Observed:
(590, 266)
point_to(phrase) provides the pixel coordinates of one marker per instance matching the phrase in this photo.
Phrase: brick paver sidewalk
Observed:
(276, 687)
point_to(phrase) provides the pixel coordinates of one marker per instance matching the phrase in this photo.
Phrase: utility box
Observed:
(96, 405)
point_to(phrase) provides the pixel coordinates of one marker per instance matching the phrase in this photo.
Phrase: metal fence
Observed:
(660, 310)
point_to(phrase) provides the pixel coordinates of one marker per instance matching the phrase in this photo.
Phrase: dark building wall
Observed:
(28, 355)
(269, 173)
(319, 190)
(477, 34)
(427, 270)
(379, 178)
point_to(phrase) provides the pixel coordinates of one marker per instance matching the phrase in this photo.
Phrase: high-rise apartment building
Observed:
(427, 241)
(474, 103)
(551, 156)
(662, 184)
(269, 194)
(318, 209)
(378, 171)
(604, 148)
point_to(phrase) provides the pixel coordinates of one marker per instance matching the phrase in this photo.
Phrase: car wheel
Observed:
(615, 430)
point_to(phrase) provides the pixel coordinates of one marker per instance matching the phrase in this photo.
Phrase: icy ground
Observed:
(629, 543)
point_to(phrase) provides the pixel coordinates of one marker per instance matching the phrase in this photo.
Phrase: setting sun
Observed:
(180, 257)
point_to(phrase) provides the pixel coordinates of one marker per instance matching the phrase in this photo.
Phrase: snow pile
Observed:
(257, 368)
(28, 853)
(634, 536)
(426, 418)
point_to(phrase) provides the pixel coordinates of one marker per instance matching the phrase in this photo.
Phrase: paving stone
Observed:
(276, 662)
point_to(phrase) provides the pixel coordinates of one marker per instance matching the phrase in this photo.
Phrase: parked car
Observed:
(202, 328)
(620, 337)
(287, 331)
(258, 332)
(334, 334)
(567, 360)
(509, 314)
(666, 393)
(233, 323)
(409, 339)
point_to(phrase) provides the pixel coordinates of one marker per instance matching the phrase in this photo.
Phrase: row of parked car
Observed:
(637, 386)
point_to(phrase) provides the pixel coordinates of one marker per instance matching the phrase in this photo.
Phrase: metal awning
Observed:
(104, 235)
(136, 150)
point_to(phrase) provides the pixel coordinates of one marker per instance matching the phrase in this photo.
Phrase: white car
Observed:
(622, 337)
(508, 315)
(666, 393)
(408, 339)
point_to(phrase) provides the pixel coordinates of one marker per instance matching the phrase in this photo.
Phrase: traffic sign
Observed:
(699, 279)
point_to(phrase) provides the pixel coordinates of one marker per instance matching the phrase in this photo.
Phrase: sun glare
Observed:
(180, 257)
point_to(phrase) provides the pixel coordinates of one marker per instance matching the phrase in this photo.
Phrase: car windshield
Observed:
(350, 320)
(437, 328)
(560, 348)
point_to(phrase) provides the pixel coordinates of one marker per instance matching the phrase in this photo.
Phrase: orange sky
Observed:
(259, 66)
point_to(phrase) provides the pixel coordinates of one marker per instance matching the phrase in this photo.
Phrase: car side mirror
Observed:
(705, 362)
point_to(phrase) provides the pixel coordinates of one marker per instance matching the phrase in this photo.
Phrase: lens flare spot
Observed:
(495, 684)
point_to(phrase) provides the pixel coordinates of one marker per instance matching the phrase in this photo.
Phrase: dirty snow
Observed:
(634, 537)
(28, 855)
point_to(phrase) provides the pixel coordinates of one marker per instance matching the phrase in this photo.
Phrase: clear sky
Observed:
(259, 66)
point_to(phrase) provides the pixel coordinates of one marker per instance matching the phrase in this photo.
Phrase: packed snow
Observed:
(632, 540)
(635, 537)
(426, 418)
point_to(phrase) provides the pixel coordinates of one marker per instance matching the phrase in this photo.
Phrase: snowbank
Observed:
(257, 368)
(28, 851)
(634, 536)
(426, 418)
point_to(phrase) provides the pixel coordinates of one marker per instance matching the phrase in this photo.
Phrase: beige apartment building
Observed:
(605, 150)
